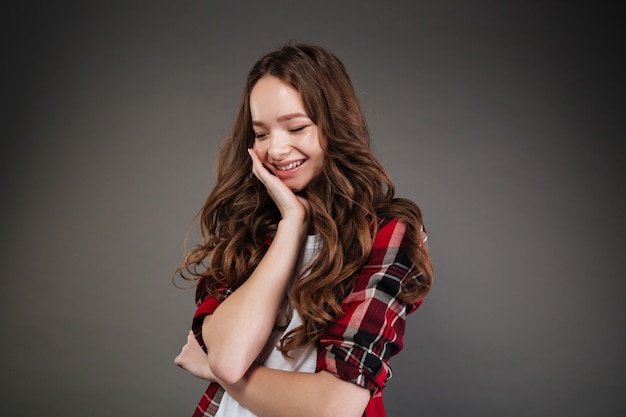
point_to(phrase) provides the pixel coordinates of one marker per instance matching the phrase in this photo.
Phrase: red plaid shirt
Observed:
(358, 346)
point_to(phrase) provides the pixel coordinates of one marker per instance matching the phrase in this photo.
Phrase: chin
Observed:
(297, 185)
(297, 190)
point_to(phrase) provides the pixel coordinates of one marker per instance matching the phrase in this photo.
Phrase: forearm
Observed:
(239, 328)
(275, 393)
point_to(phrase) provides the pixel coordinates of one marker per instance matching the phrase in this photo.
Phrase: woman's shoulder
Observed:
(393, 231)
(393, 243)
(388, 240)
(388, 230)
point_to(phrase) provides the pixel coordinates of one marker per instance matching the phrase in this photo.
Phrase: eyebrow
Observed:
(283, 118)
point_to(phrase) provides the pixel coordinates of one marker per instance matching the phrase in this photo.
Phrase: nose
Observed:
(278, 147)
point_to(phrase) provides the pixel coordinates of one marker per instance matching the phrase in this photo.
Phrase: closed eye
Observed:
(260, 135)
(298, 129)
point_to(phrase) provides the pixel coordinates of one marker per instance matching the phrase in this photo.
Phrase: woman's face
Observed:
(286, 140)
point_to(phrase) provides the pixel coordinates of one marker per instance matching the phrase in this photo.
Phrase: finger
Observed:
(254, 157)
(262, 173)
(258, 169)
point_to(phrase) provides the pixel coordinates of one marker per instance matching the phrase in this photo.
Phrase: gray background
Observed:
(499, 118)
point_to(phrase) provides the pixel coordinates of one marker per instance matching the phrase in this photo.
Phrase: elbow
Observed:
(226, 361)
(225, 370)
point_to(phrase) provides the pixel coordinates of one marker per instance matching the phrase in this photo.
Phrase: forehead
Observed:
(272, 97)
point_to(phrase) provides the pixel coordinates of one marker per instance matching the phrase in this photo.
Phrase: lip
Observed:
(289, 172)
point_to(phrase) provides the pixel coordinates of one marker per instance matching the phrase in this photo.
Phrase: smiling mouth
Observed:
(289, 166)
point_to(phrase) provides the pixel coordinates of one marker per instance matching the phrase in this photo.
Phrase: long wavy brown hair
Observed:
(348, 199)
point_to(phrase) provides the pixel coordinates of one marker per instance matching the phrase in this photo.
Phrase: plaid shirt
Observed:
(358, 346)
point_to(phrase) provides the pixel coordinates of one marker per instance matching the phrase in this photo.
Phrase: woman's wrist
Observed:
(293, 225)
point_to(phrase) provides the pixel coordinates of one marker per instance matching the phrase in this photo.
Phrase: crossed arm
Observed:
(234, 336)
(270, 392)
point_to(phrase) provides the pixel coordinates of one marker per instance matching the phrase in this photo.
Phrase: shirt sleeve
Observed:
(205, 307)
(212, 397)
(357, 347)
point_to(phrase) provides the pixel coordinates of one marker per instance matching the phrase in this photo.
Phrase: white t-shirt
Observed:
(303, 359)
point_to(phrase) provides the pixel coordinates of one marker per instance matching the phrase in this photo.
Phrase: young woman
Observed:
(308, 264)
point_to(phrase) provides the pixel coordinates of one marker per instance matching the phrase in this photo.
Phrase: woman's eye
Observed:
(259, 136)
(297, 129)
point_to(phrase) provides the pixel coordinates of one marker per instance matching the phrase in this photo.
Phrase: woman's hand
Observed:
(193, 359)
(289, 204)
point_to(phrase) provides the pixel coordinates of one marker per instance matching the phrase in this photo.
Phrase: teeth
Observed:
(290, 166)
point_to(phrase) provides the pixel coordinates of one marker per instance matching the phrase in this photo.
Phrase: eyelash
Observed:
(263, 135)
(297, 129)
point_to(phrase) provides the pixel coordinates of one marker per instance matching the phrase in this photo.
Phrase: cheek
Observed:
(261, 150)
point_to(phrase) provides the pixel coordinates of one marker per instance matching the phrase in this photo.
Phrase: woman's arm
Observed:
(241, 325)
(275, 393)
